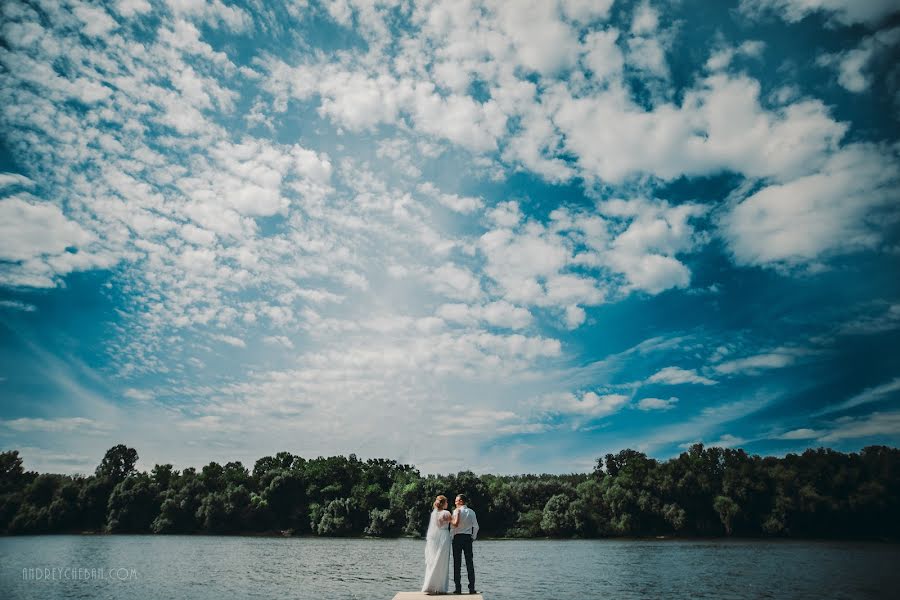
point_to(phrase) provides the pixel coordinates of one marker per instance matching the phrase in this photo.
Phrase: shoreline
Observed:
(280, 535)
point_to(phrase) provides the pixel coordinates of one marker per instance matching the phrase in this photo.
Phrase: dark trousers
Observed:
(462, 543)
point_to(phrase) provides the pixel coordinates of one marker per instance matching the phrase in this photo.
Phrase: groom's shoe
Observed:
(472, 591)
(457, 591)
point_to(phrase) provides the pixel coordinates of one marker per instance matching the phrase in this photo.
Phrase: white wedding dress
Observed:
(437, 553)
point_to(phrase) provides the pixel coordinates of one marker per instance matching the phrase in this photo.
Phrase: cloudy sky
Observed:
(508, 236)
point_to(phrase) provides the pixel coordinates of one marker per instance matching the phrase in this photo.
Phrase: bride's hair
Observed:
(439, 502)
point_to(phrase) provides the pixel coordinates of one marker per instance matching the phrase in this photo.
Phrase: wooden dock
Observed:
(423, 596)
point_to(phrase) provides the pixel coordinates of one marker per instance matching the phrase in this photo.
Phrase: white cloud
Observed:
(574, 259)
(867, 396)
(459, 119)
(39, 244)
(728, 441)
(357, 101)
(829, 212)
(14, 179)
(586, 10)
(406, 377)
(523, 428)
(575, 316)
(720, 125)
(398, 271)
(799, 434)
(455, 282)
(516, 261)
(460, 421)
(30, 229)
(17, 305)
(209, 423)
(586, 404)
(850, 67)
(646, 46)
(567, 287)
(876, 424)
(678, 376)
(721, 59)
(755, 364)
(150, 156)
(645, 251)
(506, 214)
(536, 140)
(96, 21)
(499, 314)
(361, 100)
(460, 204)
(280, 341)
(197, 235)
(540, 40)
(887, 320)
(229, 339)
(852, 64)
(846, 12)
(647, 404)
(504, 314)
(430, 325)
(56, 425)
(602, 55)
(130, 8)
(214, 13)
(645, 20)
(45, 460)
(139, 395)
(710, 420)
(653, 273)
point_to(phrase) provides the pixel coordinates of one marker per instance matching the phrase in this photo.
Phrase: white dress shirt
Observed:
(468, 523)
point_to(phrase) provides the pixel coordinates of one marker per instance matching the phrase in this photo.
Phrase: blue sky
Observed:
(498, 236)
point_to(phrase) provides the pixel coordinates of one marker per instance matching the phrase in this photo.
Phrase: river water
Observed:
(222, 568)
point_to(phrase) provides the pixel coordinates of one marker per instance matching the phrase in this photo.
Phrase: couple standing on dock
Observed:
(458, 531)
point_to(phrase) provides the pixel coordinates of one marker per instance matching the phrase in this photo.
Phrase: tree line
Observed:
(705, 491)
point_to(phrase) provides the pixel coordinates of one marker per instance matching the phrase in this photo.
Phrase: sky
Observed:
(464, 234)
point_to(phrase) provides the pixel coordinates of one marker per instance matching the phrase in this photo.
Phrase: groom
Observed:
(464, 527)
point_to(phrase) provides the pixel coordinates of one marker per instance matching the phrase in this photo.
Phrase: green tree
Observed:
(336, 518)
(381, 523)
(63, 513)
(163, 476)
(588, 509)
(93, 498)
(117, 464)
(180, 505)
(133, 505)
(286, 498)
(631, 492)
(528, 525)
(710, 491)
(557, 519)
(40, 492)
(12, 475)
(407, 497)
(727, 509)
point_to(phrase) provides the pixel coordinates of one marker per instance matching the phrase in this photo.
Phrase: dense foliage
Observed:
(704, 491)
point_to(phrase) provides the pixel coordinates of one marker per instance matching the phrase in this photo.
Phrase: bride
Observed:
(437, 549)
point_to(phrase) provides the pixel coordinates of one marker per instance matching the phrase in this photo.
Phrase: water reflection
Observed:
(312, 568)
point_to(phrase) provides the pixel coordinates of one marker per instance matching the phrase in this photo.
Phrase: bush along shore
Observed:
(702, 492)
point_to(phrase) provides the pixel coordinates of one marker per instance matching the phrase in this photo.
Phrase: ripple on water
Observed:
(214, 568)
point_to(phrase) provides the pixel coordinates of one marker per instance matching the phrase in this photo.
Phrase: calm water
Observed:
(221, 568)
